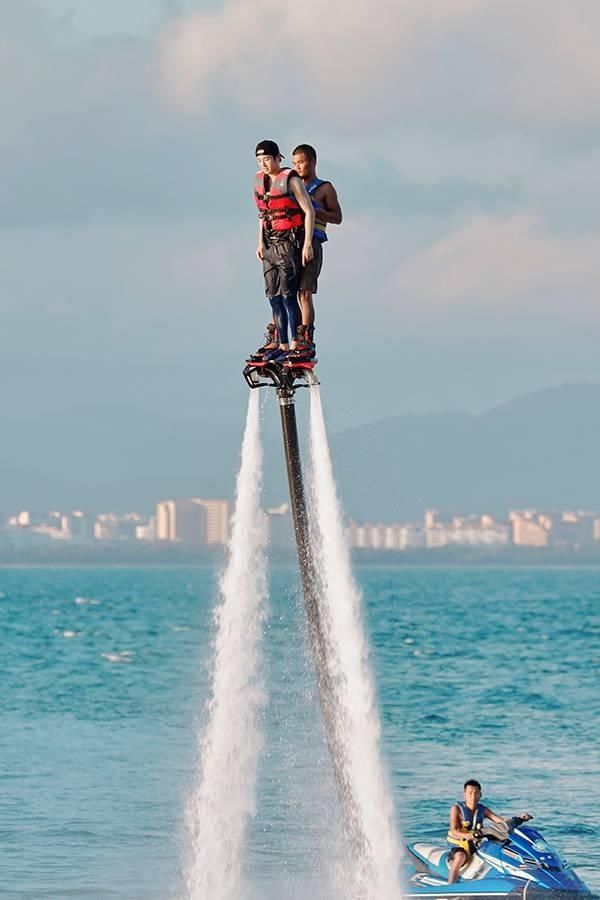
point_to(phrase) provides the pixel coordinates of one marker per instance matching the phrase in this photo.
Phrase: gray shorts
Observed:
(281, 266)
(310, 273)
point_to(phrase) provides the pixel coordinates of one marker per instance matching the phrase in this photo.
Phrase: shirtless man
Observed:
(328, 211)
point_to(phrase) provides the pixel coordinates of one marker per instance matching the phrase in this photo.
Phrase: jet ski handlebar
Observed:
(499, 831)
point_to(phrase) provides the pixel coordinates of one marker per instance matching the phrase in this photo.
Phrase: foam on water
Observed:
(230, 743)
(376, 866)
(123, 656)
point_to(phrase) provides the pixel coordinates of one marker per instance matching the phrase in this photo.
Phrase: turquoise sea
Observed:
(486, 673)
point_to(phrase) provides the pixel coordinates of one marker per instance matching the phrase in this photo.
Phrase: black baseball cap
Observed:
(267, 148)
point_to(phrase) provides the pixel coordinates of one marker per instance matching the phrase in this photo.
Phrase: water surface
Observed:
(489, 673)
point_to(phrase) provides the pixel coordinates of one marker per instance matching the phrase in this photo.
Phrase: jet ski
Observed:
(511, 860)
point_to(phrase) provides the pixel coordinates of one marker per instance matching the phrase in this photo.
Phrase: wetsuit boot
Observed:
(305, 348)
(271, 341)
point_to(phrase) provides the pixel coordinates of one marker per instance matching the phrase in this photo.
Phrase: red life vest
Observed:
(278, 208)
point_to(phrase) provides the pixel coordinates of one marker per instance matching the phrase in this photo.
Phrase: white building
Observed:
(530, 528)
(181, 521)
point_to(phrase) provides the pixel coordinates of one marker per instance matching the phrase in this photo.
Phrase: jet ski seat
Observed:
(437, 856)
(475, 868)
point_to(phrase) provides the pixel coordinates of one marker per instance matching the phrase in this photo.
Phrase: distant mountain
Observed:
(102, 458)
(539, 450)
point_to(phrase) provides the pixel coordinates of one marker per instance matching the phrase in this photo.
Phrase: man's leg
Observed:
(290, 264)
(271, 277)
(306, 333)
(308, 287)
(307, 307)
(459, 858)
(277, 331)
(280, 352)
(281, 319)
(293, 314)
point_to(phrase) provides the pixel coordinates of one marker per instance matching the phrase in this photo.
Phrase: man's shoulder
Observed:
(324, 189)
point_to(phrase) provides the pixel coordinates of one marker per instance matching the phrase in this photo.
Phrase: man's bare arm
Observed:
(261, 241)
(489, 814)
(305, 204)
(332, 211)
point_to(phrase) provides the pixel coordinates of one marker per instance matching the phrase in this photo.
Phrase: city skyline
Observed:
(200, 522)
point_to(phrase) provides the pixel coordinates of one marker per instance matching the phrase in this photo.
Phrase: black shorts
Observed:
(311, 272)
(468, 849)
(282, 262)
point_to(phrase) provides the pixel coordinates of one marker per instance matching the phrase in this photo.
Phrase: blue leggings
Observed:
(286, 311)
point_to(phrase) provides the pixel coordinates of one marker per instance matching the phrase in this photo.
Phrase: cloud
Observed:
(453, 65)
(514, 264)
(86, 137)
(131, 287)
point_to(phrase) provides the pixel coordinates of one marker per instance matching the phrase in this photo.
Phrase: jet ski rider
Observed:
(466, 823)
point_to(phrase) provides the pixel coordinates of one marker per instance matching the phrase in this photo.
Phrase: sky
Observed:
(463, 137)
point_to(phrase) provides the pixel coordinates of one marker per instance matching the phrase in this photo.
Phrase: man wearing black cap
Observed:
(285, 232)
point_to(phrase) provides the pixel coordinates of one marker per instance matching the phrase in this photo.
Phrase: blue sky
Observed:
(463, 138)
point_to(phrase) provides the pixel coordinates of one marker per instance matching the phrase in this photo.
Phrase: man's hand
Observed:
(527, 817)
(260, 251)
(307, 253)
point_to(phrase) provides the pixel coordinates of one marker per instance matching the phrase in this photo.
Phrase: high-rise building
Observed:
(165, 520)
(530, 529)
(181, 521)
(430, 519)
(217, 520)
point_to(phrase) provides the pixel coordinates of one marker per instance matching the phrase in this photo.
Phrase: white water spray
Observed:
(376, 872)
(224, 798)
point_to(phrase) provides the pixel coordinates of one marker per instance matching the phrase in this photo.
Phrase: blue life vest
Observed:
(319, 233)
(471, 820)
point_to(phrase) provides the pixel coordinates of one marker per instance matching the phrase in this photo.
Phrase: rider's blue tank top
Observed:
(319, 233)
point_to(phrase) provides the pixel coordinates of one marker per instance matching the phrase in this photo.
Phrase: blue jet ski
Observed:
(513, 861)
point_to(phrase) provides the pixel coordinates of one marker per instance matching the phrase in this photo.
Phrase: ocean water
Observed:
(486, 673)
